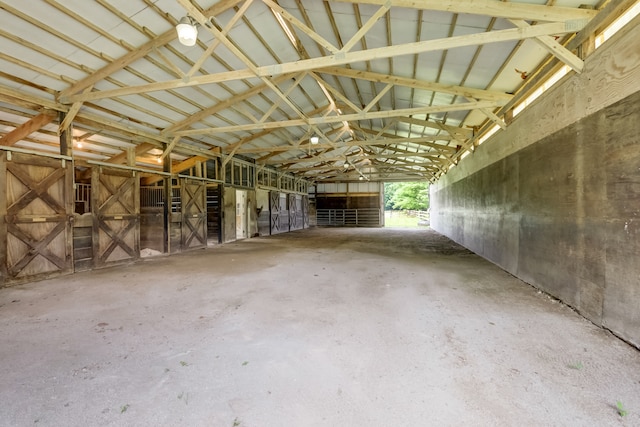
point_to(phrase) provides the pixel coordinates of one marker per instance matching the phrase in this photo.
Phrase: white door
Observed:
(241, 214)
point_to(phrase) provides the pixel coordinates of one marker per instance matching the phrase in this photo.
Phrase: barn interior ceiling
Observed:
(326, 90)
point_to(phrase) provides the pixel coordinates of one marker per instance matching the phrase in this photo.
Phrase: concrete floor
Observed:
(323, 327)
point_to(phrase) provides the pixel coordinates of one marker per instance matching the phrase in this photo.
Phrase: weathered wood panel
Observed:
(116, 213)
(35, 212)
(562, 215)
(611, 74)
(274, 211)
(305, 211)
(194, 214)
(83, 241)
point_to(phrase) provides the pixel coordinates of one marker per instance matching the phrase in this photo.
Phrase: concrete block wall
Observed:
(555, 198)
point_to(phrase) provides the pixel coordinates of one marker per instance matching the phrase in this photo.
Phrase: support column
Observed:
(168, 196)
(66, 137)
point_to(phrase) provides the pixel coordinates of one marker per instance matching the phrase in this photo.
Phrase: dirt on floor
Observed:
(321, 327)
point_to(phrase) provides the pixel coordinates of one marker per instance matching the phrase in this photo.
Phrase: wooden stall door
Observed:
(274, 209)
(305, 211)
(116, 216)
(295, 212)
(37, 206)
(284, 213)
(194, 214)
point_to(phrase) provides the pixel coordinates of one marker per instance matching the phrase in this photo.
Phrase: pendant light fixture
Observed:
(187, 31)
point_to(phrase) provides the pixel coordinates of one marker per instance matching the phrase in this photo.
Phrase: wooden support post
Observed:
(3, 213)
(131, 156)
(66, 137)
(166, 211)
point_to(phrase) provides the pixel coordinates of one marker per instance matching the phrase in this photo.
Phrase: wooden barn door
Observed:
(274, 209)
(36, 207)
(116, 216)
(194, 214)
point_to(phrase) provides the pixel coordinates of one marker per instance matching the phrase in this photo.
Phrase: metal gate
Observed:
(193, 196)
(116, 216)
(36, 207)
(214, 218)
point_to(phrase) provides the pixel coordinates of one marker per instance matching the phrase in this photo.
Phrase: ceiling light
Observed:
(346, 165)
(314, 139)
(187, 31)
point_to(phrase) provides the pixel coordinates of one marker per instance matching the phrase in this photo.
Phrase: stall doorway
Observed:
(241, 214)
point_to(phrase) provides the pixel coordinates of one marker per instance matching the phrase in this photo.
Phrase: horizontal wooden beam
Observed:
(458, 132)
(494, 8)
(488, 95)
(28, 128)
(426, 141)
(314, 121)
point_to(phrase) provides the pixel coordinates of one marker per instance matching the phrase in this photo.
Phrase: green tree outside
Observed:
(406, 195)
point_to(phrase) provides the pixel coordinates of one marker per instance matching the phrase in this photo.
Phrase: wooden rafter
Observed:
(28, 128)
(346, 58)
(468, 92)
(496, 8)
(555, 48)
(138, 53)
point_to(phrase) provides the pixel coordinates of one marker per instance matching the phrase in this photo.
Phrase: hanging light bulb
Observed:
(187, 31)
(314, 139)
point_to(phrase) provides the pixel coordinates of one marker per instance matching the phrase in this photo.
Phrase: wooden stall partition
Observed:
(193, 195)
(116, 216)
(36, 210)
